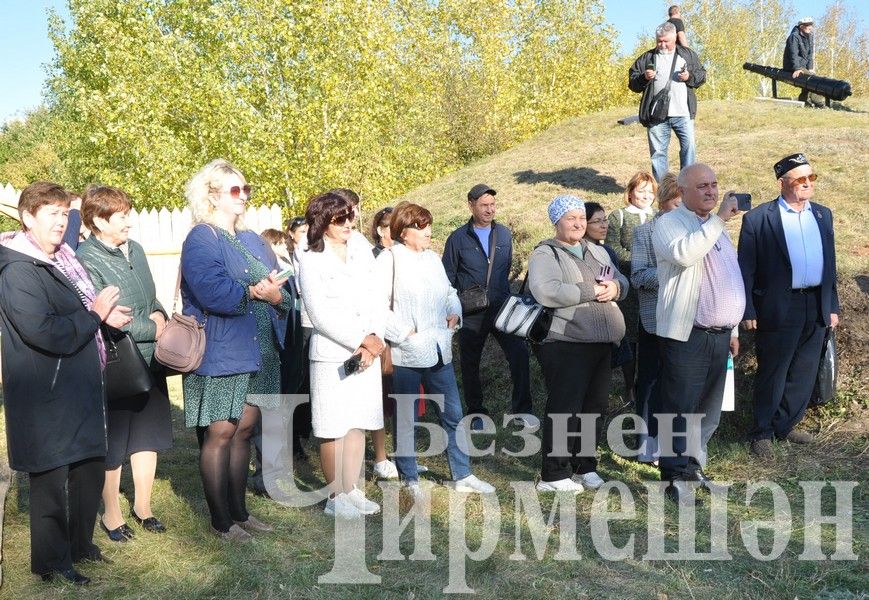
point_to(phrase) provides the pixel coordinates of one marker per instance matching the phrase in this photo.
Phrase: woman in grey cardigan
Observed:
(139, 426)
(580, 282)
(424, 316)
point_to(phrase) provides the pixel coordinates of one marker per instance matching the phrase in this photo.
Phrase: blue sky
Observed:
(25, 48)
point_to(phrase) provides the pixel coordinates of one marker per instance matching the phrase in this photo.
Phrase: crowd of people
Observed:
(319, 309)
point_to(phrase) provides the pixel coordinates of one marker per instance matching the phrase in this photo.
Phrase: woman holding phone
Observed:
(348, 315)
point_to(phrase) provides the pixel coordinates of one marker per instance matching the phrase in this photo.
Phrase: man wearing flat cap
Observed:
(477, 258)
(788, 263)
(799, 55)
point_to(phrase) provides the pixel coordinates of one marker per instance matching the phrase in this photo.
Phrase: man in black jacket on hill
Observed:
(468, 254)
(650, 74)
(799, 55)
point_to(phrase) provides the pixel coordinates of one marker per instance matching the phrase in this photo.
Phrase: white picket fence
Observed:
(161, 233)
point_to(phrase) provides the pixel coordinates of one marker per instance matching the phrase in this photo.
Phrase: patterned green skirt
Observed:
(222, 398)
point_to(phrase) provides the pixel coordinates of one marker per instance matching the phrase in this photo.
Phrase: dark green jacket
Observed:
(108, 266)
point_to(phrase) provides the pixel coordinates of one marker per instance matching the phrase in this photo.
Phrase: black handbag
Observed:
(475, 299)
(127, 374)
(825, 384)
(655, 107)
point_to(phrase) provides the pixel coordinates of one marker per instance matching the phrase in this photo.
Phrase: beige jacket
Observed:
(681, 242)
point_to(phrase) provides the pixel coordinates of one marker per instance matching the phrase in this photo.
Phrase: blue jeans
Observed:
(659, 142)
(437, 380)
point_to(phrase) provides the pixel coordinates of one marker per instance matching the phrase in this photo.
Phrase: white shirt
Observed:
(678, 89)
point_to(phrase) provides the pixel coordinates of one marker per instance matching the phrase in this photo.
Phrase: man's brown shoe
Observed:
(762, 448)
(800, 437)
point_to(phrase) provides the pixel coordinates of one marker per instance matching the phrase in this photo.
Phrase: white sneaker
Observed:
(416, 488)
(342, 507)
(362, 504)
(472, 484)
(527, 420)
(590, 480)
(562, 485)
(385, 469)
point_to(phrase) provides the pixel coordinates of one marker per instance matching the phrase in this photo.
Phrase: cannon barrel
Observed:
(834, 89)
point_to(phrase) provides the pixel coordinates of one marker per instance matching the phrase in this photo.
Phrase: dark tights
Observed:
(223, 464)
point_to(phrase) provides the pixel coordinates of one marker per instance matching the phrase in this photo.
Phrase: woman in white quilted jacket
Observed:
(420, 325)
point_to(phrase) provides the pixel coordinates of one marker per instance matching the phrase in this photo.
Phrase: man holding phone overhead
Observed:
(668, 74)
(700, 304)
(788, 261)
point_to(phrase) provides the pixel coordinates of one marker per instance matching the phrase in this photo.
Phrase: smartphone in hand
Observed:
(284, 274)
(352, 364)
(743, 202)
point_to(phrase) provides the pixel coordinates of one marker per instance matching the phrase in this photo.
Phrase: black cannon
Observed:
(830, 89)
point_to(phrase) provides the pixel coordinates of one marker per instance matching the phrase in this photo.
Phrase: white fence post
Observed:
(162, 233)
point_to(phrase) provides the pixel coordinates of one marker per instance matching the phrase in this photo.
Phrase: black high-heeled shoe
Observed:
(120, 534)
(151, 524)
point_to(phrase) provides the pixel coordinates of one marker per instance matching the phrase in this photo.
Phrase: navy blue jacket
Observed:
(466, 264)
(799, 51)
(766, 265)
(215, 280)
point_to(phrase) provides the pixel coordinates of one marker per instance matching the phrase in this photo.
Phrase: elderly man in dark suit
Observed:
(788, 262)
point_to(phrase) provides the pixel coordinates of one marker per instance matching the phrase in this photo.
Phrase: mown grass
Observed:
(593, 157)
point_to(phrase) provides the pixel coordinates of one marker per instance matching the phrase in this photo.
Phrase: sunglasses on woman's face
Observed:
(344, 219)
(236, 191)
(418, 226)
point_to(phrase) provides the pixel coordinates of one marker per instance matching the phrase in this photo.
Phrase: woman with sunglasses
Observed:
(230, 284)
(297, 231)
(347, 313)
(380, 230)
(420, 326)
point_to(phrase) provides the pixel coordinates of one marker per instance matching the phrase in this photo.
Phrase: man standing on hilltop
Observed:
(675, 17)
(788, 263)
(477, 258)
(799, 54)
(676, 72)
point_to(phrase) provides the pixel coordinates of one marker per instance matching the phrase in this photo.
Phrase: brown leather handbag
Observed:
(182, 343)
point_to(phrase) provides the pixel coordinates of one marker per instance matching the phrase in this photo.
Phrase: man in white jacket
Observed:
(700, 304)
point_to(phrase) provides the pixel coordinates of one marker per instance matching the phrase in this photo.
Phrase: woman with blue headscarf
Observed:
(580, 283)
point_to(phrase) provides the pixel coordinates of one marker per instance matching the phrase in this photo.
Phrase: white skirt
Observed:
(342, 402)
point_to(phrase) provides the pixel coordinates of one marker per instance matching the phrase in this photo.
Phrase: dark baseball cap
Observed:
(478, 190)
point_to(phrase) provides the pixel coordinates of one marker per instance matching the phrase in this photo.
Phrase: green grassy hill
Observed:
(593, 157)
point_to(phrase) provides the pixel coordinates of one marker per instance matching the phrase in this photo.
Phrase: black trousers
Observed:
(787, 366)
(692, 382)
(577, 380)
(63, 511)
(472, 337)
(648, 372)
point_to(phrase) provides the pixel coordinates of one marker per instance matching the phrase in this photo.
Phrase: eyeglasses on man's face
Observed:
(795, 181)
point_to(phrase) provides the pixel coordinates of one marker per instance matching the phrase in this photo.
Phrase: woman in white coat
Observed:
(347, 313)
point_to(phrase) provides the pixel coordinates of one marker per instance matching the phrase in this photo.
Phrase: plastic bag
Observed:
(729, 401)
(828, 370)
